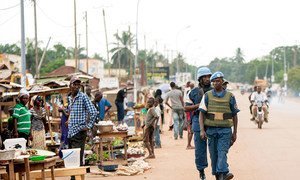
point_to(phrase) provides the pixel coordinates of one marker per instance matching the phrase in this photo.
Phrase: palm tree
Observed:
(239, 56)
(80, 50)
(122, 56)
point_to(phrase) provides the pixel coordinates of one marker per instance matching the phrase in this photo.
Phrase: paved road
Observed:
(270, 153)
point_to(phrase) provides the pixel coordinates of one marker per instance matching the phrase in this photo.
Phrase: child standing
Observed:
(150, 123)
(157, 128)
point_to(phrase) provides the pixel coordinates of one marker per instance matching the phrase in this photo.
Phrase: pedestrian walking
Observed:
(196, 94)
(189, 114)
(218, 113)
(177, 107)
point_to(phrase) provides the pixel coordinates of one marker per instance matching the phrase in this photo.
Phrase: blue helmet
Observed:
(216, 75)
(203, 71)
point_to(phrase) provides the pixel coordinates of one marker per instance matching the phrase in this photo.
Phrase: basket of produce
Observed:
(105, 126)
(7, 155)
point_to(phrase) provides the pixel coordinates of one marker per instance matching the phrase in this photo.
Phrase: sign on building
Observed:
(158, 73)
(109, 82)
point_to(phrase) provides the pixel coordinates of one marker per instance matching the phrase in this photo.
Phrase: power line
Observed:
(7, 8)
(70, 26)
(7, 20)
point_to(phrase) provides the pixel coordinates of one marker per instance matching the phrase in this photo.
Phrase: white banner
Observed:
(109, 82)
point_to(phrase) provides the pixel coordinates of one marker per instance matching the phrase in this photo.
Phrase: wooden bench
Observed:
(79, 173)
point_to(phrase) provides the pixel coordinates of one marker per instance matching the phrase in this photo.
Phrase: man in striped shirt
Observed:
(21, 117)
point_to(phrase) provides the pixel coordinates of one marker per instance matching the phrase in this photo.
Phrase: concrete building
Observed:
(95, 66)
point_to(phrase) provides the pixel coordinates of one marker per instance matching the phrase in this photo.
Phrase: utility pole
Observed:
(107, 52)
(75, 34)
(37, 75)
(285, 77)
(295, 56)
(195, 63)
(145, 44)
(79, 35)
(272, 77)
(43, 56)
(23, 55)
(86, 43)
(266, 73)
(119, 59)
(136, 53)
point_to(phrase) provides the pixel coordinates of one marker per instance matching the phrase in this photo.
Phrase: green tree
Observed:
(10, 49)
(122, 56)
(294, 79)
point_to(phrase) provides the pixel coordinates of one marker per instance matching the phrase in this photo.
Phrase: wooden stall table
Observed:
(27, 166)
(7, 170)
(115, 134)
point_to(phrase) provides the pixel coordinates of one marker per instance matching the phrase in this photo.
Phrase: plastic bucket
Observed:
(71, 157)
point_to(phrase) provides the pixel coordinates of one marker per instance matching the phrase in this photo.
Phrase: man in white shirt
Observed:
(259, 96)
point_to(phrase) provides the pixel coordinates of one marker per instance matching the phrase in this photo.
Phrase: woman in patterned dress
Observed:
(38, 121)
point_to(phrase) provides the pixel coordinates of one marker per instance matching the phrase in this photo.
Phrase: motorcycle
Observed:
(259, 119)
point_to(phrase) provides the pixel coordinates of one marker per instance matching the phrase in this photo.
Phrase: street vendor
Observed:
(21, 117)
(38, 122)
(103, 104)
(80, 109)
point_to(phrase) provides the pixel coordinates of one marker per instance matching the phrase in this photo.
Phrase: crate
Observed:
(7, 155)
(15, 143)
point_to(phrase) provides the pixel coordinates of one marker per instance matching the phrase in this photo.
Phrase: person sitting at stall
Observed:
(21, 117)
(7, 132)
(38, 122)
(103, 104)
(150, 124)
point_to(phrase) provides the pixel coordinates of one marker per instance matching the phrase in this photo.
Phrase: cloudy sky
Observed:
(200, 29)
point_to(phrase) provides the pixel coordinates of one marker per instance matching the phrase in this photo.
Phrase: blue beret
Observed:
(216, 75)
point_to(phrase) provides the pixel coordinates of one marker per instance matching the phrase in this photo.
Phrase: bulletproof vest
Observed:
(218, 111)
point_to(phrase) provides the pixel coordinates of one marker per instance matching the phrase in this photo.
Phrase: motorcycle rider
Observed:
(262, 97)
(196, 94)
(251, 104)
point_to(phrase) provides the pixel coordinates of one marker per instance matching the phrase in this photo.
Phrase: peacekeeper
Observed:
(218, 113)
(203, 76)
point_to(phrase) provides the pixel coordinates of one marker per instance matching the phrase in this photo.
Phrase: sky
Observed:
(199, 29)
